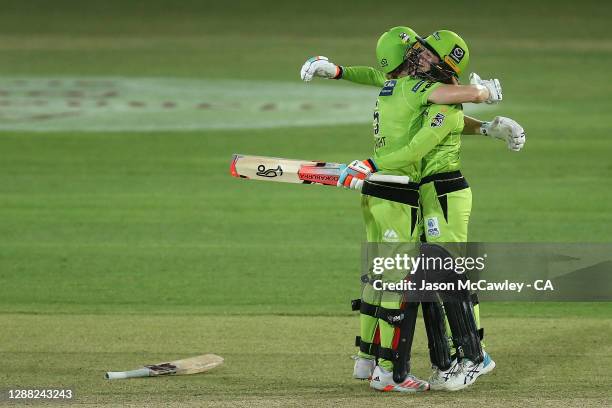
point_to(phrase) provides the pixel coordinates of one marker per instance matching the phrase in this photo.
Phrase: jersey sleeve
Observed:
(440, 121)
(428, 88)
(364, 76)
(420, 91)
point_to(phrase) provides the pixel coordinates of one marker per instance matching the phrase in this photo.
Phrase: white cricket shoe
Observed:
(469, 372)
(439, 378)
(363, 368)
(382, 380)
(487, 364)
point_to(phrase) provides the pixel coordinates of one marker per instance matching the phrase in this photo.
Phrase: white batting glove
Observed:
(505, 129)
(492, 85)
(318, 67)
(353, 174)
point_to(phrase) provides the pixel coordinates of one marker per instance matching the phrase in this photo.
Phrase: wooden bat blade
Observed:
(192, 365)
(297, 171)
(284, 170)
(197, 364)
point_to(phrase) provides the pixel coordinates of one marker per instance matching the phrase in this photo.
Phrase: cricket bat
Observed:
(186, 366)
(296, 171)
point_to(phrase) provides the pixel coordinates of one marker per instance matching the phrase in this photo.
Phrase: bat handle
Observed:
(387, 178)
(118, 375)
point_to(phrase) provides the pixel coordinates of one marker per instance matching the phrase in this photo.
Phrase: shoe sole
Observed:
(393, 388)
(436, 387)
(459, 387)
(488, 368)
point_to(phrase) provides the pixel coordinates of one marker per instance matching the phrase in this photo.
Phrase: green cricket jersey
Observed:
(364, 76)
(412, 137)
(445, 155)
(435, 145)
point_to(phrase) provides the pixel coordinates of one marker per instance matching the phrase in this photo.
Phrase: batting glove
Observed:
(319, 67)
(505, 129)
(352, 175)
(492, 85)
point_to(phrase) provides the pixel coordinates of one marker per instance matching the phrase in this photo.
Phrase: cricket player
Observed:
(431, 160)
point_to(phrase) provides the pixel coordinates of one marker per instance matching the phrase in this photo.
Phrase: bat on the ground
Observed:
(192, 365)
(296, 171)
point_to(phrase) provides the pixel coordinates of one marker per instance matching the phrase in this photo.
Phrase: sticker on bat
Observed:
(263, 172)
(162, 369)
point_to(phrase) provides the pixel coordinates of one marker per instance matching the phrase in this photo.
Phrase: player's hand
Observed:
(353, 174)
(505, 129)
(318, 67)
(493, 86)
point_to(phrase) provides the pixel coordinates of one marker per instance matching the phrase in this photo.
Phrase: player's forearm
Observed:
(363, 76)
(471, 126)
(453, 94)
(421, 144)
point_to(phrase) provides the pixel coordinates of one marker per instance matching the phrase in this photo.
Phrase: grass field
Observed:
(124, 248)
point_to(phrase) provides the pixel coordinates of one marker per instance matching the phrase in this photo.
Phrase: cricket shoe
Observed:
(487, 363)
(439, 378)
(382, 380)
(363, 368)
(468, 373)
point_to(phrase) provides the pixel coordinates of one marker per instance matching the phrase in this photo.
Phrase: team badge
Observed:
(433, 228)
(438, 120)
(457, 54)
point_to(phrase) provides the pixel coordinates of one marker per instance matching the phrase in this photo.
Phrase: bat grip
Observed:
(387, 178)
(118, 375)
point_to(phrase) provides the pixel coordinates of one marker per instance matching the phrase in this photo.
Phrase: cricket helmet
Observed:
(453, 53)
(392, 46)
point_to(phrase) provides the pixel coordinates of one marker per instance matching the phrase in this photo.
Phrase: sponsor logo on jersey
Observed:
(438, 120)
(433, 227)
(379, 142)
(418, 85)
(388, 88)
(390, 236)
(429, 84)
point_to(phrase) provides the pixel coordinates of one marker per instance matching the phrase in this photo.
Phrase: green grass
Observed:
(291, 360)
(123, 249)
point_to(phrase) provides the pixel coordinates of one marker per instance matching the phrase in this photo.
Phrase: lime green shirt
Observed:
(435, 145)
(407, 136)
(364, 76)
(445, 155)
